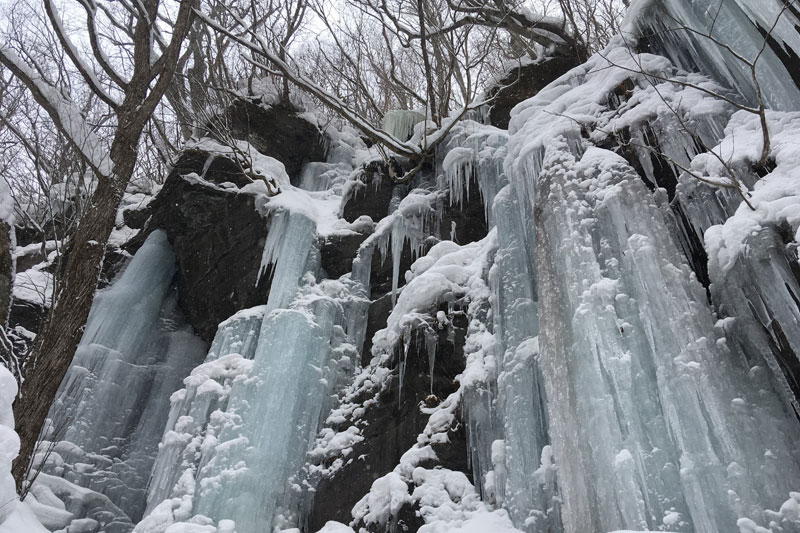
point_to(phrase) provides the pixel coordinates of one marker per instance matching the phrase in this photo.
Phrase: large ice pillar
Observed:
(655, 420)
(529, 498)
(113, 403)
(197, 414)
(276, 411)
(507, 421)
(239, 432)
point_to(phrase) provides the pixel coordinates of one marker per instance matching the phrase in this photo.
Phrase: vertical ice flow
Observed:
(115, 397)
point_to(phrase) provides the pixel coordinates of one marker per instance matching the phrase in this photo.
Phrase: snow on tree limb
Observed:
(85, 70)
(65, 114)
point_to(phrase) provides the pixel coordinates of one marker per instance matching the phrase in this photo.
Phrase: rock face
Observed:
(465, 223)
(277, 131)
(523, 82)
(391, 427)
(217, 236)
(337, 252)
(371, 195)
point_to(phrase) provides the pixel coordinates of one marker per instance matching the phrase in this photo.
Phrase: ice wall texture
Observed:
(632, 326)
(657, 411)
(112, 405)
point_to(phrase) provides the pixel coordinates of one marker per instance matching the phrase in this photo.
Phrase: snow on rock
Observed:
(34, 285)
(261, 166)
(454, 272)
(775, 197)
(335, 527)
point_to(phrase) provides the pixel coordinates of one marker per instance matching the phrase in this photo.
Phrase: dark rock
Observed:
(277, 131)
(407, 519)
(381, 271)
(468, 220)
(26, 235)
(524, 82)
(378, 314)
(113, 261)
(136, 218)
(337, 252)
(371, 195)
(218, 237)
(391, 426)
(26, 314)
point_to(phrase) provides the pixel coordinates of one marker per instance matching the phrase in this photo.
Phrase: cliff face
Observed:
(584, 321)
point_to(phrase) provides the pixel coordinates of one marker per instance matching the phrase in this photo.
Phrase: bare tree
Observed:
(443, 44)
(147, 43)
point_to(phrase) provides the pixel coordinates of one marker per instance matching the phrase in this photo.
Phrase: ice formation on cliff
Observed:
(632, 324)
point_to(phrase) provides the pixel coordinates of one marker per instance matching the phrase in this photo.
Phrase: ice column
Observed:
(249, 471)
(655, 421)
(115, 398)
(507, 422)
(199, 411)
(521, 401)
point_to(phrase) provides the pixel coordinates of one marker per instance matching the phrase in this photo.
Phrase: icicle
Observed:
(400, 123)
(431, 341)
(733, 25)
(402, 364)
(398, 240)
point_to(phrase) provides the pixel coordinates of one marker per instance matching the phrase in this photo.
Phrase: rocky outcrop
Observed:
(277, 131)
(524, 81)
(337, 252)
(465, 223)
(217, 236)
(390, 427)
(371, 193)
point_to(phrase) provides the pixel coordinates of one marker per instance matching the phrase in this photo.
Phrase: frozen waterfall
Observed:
(113, 404)
(613, 348)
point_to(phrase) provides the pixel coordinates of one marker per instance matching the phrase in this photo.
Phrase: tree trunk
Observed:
(6, 271)
(63, 326)
(7, 356)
